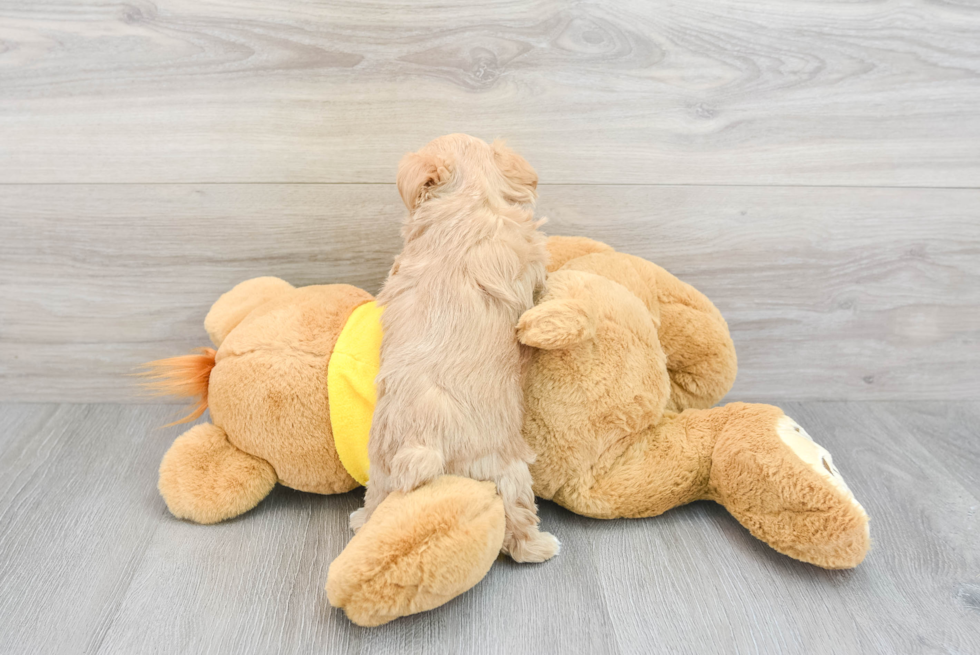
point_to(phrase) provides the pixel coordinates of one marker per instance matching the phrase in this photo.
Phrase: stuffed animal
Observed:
(627, 360)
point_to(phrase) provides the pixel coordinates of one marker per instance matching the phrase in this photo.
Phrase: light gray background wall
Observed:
(814, 168)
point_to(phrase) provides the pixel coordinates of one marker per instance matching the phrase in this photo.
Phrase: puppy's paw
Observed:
(536, 547)
(357, 519)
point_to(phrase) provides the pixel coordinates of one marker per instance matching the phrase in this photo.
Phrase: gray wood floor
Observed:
(93, 563)
(813, 167)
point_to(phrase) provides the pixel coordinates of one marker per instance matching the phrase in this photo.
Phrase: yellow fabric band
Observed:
(352, 395)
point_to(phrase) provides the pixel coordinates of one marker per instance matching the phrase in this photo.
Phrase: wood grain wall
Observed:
(621, 91)
(830, 293)
(813, 167)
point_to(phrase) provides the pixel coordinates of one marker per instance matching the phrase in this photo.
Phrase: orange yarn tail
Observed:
(185, 377)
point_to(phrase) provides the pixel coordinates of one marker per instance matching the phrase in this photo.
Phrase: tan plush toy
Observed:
(627, 361)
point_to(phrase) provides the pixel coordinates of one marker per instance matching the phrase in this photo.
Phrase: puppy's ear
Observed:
(417, 173)
(521, 175)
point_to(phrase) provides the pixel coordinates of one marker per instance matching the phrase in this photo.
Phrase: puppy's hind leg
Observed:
(411, 467)
(522, 539)
(414, 465)
(374, 495)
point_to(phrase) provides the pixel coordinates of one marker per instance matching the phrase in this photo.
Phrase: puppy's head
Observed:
(456, 162)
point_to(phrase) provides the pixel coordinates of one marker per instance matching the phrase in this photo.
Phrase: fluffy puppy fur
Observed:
(449, 389)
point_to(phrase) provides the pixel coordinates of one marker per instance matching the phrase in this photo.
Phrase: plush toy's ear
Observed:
(417, 173)
(556, 324)
(521, 175)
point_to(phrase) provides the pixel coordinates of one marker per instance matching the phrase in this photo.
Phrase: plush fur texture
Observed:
(233, 306)
(206, 479)
(602, 403)
(434, 543)
(562, 250)
(691, 331)
(267, 393)
(449, 388)
(269, 386)
(626, 357)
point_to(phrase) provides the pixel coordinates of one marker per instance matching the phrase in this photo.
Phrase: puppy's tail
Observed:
(186, 376)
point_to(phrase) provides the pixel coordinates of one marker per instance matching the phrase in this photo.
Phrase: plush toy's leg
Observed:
(701, 358)
(785, 489)
(700, 354)
(229, 310)
(418, 551)
(206, 479)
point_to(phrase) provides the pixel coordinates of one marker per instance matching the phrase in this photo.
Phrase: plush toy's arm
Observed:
(700, 353)
(234, 305)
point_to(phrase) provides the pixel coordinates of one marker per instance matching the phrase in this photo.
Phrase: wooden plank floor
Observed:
(93, 563)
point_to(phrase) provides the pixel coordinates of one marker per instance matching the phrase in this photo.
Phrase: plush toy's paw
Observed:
(818, 459)
(418, 551)
(205, 479)
(845, 545)
(537, 547)
(786, 490)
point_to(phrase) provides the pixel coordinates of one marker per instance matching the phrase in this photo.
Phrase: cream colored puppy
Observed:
(449, 389)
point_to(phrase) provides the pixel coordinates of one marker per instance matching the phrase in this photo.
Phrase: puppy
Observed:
(449, 388)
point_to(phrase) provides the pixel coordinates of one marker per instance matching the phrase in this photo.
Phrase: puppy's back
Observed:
(450, 360)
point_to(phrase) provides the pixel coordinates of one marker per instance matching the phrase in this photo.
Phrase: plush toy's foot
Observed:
(206, 479)
(418, 551)
(785, 489)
